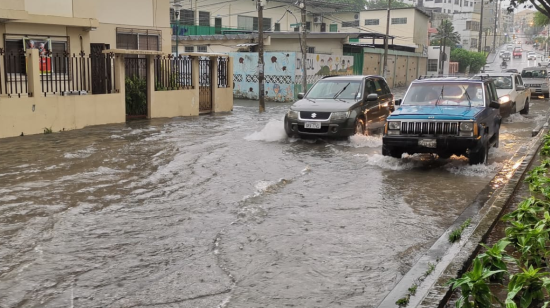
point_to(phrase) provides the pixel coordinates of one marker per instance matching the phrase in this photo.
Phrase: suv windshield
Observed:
(534, 73)
(445, 93)
(503, 82)
(342, 89)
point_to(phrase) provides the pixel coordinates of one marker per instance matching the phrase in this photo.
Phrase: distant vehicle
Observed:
(506, 56)
(501, 53)
(511, 70)
(531, 55)
(536, 78)
(517, 52)
(341, 106)
(544, 62)
(510, 47)
(513, 96)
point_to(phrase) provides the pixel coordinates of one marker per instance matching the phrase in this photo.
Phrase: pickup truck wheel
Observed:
(480, 156)
(525, 109)
(545, 95)
(395, 153)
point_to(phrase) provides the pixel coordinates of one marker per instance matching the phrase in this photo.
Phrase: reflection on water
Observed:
(220, 211)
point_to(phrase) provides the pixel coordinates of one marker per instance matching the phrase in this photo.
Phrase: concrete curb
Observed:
(451, 260)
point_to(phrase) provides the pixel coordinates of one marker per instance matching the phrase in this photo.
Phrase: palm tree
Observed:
(446, 31)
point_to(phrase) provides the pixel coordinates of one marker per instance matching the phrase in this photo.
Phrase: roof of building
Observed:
(281, 35)
(401, 8)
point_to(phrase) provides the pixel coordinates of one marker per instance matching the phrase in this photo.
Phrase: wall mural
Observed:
(281, 69)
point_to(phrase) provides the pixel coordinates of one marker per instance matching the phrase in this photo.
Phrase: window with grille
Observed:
(187, 17)
(277, 26)
(310, 49)
(474, 43)
(432, 65)
(251, 23)
(333, 28)
(372, 22)
(204, 18)
(399, 21)
(138, 39)
(308, 25)
(350, 24)
(174, 49)
(218, 25)
(189, 48)
(202, 49)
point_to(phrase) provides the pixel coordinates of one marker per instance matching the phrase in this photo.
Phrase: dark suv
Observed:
(340, 106)
(445, 116)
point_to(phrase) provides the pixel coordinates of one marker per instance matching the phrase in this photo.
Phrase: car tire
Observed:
(395, 153)
(525, 109)
(496, 138)
(480, 156)
(359, 127)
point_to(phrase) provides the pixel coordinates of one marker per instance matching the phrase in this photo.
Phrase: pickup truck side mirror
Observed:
(494, 104)
(398, 102)
(300, 95)
(520, 88)
(372, 97)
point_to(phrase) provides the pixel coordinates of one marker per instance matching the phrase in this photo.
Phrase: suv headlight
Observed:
(466, 126)
(292, 115)
(504, 99)
(341, 115)
(394, 125)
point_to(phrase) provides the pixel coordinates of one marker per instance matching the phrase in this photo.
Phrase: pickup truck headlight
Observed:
(341, 115)
(466, 126)
(504, 99)
(394, 125)
(292, 115)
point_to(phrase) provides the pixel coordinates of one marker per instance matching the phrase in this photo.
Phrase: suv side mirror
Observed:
(300, 95)
(520, 88)
(494, 104)
(372, 97)
(397, 102)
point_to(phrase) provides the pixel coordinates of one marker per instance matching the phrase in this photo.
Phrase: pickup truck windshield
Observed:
(503, 82)
(535, 73)
(447, 94)
(342, 89)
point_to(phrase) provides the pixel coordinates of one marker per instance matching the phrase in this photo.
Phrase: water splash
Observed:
(362, 141)
(273, 131)
(85, 153)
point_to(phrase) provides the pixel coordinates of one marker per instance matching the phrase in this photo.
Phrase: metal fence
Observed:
(77, 74)
(15, 81)
(173, 73)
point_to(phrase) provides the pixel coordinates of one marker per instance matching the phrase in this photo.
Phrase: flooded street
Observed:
(223, 211)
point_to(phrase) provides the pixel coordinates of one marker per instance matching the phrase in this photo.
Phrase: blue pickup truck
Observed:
(445, 116)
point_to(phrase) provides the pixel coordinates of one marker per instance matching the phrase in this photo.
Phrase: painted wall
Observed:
(175, 103)
(30, 115)
(151, 13)
(322, 46)
(279, 75)
(50, 7)
(324, 65)
(12, 4)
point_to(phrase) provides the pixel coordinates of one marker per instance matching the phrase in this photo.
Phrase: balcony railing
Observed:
(185, 30)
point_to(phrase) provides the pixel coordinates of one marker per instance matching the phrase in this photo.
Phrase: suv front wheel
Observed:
(480, 156)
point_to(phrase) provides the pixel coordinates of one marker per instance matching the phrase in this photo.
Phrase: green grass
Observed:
(48, 130)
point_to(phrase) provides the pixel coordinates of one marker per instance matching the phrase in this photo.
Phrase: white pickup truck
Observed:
(544, 62)
(513, 95)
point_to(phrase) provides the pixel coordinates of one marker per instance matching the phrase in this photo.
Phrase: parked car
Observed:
(531, 55)
(517, 52)
(536, 78)
(513, 96)
(445, 116)
(341, 106)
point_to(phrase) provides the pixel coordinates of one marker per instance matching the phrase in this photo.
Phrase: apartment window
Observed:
(372, 22)
(310, 49)
(474, 43)
(471, 3)
(333, 28)
(174, 49)
(189, 48)
(472, 25)
(308, 25)
(464, 42)
(202, 49)
(350, 24)
(465, 3)
(399, 21)
(277, 26)
(172, 15)
(438, 1)
(138, 39)
(251, 23)
(457, 2)
(297, 29)
(187, 17)
(218, 25)
(323, 27)
(432, 65)
(204, 19)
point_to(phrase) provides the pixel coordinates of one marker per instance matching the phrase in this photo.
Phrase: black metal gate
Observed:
(101, 70)
(136, 87)
(205, 85)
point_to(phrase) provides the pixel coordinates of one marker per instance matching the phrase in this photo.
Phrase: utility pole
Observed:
(480, 26)
(261, 90)
(442, 51)
(303, 44)
(495, 29)
(385, 66)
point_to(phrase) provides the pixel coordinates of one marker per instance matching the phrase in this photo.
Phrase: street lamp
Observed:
(177, 6)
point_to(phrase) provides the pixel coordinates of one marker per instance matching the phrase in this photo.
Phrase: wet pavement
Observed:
(223, 211)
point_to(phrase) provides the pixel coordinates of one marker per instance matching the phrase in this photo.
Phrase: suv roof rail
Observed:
(481, 76)
(438, 76)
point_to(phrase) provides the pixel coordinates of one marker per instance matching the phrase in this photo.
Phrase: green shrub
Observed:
(136, 96)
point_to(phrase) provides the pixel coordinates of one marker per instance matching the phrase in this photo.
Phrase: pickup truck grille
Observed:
(534, 85)
(429, 128)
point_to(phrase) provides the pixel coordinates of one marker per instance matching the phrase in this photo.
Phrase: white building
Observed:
(434, 60)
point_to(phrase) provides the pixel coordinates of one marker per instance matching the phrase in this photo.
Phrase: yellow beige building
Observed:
(67, 64)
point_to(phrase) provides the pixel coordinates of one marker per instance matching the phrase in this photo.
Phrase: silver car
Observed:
(536, 78)
(531, 56)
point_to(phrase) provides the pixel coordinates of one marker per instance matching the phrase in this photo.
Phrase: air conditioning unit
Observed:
(318, 19)
(356, 16)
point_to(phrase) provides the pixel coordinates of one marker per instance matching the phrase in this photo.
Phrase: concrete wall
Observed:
(30, 115)
(180, 103)
(50, 7)
(403, 67)
(12, 4)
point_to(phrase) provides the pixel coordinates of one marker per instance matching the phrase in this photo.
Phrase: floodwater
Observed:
(222, 211)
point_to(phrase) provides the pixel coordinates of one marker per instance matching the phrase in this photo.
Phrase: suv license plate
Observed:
(313, 125)
(429, 143)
